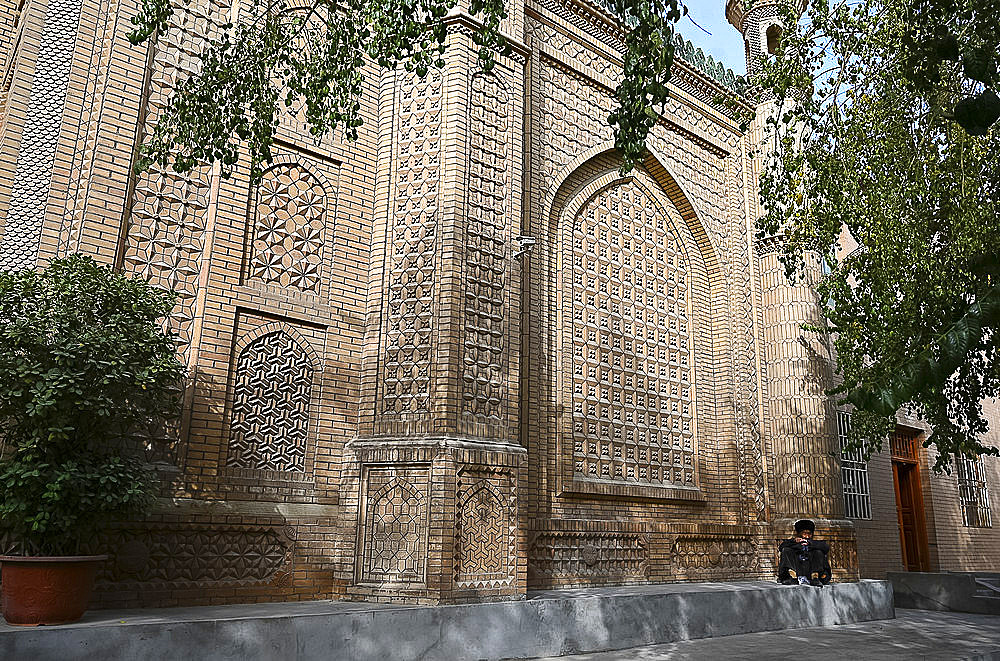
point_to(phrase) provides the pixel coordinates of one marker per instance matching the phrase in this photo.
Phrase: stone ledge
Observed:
(942, 591)
(549, 623)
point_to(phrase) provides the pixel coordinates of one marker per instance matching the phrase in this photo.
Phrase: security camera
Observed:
(524, 245)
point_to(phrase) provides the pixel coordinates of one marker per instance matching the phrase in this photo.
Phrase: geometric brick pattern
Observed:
(85, 169)
(192, 555)
(571, 114)
(395, 527)
(710, 553)
(486, 528)
(591, 557)
(438, 340)
(271, 404)
(632, 347)
(169, 212)
(22, 226)
(286, 244)
(412, 246)
(736, 258)
(802, 421)
(483, 364)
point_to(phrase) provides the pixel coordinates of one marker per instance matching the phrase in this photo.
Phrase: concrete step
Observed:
(549, 623)
(946, 591)
(913, 635)
(987, 587)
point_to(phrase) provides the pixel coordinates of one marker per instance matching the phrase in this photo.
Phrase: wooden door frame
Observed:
(919, 514)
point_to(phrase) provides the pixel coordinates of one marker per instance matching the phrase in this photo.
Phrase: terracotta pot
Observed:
(46, 590)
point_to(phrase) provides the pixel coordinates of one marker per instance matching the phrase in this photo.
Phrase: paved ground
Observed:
(913, 635)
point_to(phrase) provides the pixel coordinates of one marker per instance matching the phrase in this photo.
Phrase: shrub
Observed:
(84, 362)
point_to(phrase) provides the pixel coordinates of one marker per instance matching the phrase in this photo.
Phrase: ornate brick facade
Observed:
(385, 402)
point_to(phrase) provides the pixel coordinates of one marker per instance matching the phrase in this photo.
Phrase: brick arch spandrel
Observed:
(595, 162)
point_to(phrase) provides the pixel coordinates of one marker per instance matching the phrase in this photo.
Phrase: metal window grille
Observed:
(853, 474)
(973, 495)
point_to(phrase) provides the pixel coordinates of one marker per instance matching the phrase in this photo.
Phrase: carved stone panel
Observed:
(394, 526)
(632, 347)
(488, 232)
(272, 397)
(486, 527)
(285, 242)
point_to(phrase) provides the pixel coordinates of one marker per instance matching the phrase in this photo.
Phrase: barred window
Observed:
(853, 473)
(973, 495)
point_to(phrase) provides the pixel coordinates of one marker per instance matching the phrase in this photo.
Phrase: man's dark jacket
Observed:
(817, 544)
(814, 545)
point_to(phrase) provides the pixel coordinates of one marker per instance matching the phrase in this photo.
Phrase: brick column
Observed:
(802, 419)
(437, 462)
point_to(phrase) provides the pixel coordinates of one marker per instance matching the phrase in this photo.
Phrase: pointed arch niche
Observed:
(635, 349)
(272, 402)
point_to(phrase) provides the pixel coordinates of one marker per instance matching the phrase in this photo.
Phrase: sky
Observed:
(724, 44)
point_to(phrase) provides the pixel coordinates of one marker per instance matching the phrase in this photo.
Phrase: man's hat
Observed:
(804, 524)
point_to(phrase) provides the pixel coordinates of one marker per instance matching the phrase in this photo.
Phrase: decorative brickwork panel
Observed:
(29, 192)
(487, 235)
(170, 210)
(85, 168)
(271, 404)
(594, 557)
(294, 123)
(802, 421)
(844, 554)
(689, 151)
(573, 118)
(395, 526)
(486, 529)
(412, 245)
(192, 555)
(581, 55)
(632, 347)
(285, 245)
(707, 553)
(745, 355)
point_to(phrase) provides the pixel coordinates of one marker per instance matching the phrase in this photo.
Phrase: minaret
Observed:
(760, 23)
(797, 365)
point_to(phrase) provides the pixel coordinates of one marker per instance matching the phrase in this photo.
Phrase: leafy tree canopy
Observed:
(888, 135)
(316, 54)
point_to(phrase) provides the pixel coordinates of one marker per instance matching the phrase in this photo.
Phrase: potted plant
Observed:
(84, 363)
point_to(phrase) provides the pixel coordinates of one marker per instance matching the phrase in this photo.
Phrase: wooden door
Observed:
(910, 511)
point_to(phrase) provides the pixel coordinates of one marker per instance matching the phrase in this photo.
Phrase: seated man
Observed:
(804, 559)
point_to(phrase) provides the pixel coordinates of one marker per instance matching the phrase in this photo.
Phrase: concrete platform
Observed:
(914, 634)
(550, 623)
(966, 592)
